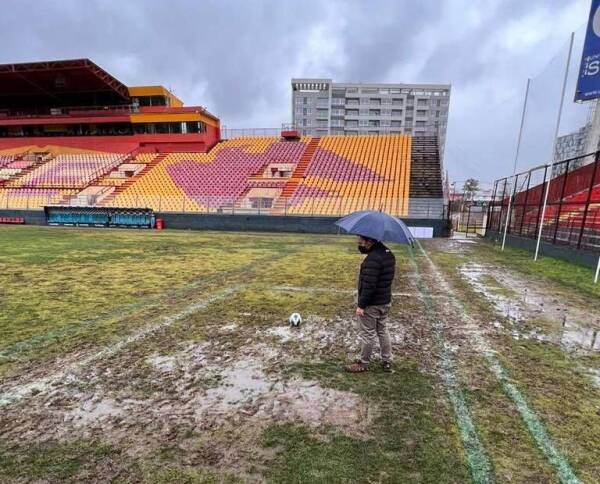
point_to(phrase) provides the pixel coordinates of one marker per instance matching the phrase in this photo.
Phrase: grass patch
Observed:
(574, 278)
(553, 380)
(413, 437)
(51, 460)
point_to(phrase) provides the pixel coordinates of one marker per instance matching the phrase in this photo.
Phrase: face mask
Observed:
(362, 249)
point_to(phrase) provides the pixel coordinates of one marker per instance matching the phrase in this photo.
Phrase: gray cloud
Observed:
(237, 57)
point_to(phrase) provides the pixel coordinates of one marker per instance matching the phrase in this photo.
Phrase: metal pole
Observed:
(597, 272)
(516, 160)
(562, 98)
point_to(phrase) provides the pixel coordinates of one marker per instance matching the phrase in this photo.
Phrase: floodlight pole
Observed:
(562, 99)
(516, 161)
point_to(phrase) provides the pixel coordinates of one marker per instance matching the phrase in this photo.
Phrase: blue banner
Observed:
(588, 83)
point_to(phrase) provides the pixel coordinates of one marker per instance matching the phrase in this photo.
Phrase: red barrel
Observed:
(160, 224)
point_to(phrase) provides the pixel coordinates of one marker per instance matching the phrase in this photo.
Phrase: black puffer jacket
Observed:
(376, 277)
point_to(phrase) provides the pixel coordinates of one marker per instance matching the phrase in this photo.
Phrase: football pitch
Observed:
(137, 356)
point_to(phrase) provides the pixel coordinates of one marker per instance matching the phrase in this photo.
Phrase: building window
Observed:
(304, 100)
(419, 123)
(397, 101)
(374, 122)
(352, 101)
(352, 90)
(422, 102)
(385, 122)
(351, 112)
(364, 112)
(396, 112)
(375, 100)
(364, 100)
(386, 112)
(396, 124)
(351, 123)
(374, 112)
(421, 112)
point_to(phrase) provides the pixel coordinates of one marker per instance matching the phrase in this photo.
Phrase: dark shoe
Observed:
(357, 367)
(386, 366)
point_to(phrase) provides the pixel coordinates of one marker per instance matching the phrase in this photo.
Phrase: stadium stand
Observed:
(348, 173)
(68, 171)
(330, 175)
(93, 141)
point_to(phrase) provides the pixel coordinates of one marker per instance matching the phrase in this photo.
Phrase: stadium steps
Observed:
(13, 180)
(297, 176)
(425, 171)
(125, 185)
(128, 159)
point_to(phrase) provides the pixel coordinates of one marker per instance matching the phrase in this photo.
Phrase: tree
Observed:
(470, 188)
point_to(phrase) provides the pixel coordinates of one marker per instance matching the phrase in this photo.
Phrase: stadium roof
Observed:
(77, 82)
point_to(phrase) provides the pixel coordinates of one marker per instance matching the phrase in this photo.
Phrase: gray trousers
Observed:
(372, 326)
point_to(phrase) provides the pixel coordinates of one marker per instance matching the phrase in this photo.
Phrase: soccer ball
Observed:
(295, 320)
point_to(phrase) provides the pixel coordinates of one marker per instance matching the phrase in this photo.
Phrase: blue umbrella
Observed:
(376, 225)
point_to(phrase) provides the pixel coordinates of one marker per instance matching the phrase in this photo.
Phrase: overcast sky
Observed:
(236, 58)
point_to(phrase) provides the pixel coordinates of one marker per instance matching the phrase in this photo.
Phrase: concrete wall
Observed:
(253, 223)
(582, 257)
(268, 223)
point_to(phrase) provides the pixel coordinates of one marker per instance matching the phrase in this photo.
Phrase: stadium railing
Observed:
(572, 214)
(422, 208)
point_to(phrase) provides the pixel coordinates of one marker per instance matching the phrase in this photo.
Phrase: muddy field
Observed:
(167, 357)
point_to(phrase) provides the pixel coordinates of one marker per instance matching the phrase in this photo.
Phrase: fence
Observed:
(468, 217)
(572, 214)
(421, 208)
(413, 129)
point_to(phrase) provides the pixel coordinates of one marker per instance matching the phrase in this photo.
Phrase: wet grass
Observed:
(413, 439)
(64, 289)
(51, 461)
(577, 280)
(553, 379)
(64, 292)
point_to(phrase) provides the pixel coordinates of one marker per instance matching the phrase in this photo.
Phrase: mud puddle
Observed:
(521, 302)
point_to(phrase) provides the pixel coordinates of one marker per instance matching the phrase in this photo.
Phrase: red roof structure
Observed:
(61, 83)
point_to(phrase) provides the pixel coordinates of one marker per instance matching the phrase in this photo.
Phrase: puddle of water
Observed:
(584, 338)
(92, 411)
(571, 332)
(162, 363)
(286, 333)
(246, 381)
(510, 309)
(595, 374)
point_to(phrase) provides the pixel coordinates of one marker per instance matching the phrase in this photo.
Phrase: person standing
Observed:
(374, 300)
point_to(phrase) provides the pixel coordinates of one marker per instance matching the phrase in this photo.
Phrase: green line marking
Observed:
(477, 459)
(534, 424)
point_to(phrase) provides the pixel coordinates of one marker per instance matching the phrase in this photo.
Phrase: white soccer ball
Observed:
(295, 320)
